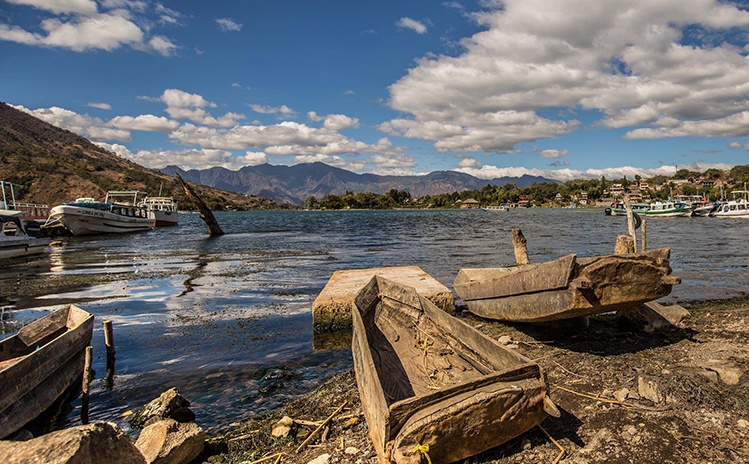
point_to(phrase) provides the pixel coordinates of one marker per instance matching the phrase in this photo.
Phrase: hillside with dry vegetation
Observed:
(52, 165)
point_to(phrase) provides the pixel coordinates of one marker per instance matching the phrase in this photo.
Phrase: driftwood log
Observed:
(205, 213)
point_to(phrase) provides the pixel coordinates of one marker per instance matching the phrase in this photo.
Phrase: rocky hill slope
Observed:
(52, 165)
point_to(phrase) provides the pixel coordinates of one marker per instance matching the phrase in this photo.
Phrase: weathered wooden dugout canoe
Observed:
(566, 288)
(39, 363)
(427, 378)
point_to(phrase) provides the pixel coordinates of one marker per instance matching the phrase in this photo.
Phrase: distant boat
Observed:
(18, 237)
(163, 210)
(667, 209)
(617, 208)
(118, 213)
(736, 208)
(30, 211)
(496, 208)
(39, 363)
(427, 378)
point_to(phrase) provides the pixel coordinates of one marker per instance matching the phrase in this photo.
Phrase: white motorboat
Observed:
(738, 207)
(120, 212)
(495, 208)
(30, 211)
(163, 210)
(19, 238)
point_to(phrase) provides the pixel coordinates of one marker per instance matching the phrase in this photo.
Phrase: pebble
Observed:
(513, 346)
(505, 339)
(621, 394)
(322, 459)
(526, 444)
(742, 423)
(351, 450)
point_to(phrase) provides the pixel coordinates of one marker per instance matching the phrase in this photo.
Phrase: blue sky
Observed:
(564, 88)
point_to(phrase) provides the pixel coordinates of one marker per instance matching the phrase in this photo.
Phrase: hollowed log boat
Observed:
(39, 363)
(567, 287)
(429, 383)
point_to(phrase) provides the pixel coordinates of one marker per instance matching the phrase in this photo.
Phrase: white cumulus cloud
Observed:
(228, 25)
(414, 25)
(661, 69)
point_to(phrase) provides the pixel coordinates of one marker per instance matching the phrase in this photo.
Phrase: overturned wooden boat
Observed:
(39, 363)
(429, 383)
(566, 288)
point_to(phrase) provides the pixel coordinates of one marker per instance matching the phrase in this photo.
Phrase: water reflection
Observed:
(227, 320)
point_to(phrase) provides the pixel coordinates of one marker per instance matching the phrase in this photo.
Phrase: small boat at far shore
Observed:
(427, 379)
(497, 208)
(736, 208)
(163, 210)
(19, 237)
(118, 213)
(39, 363)
(667, 209)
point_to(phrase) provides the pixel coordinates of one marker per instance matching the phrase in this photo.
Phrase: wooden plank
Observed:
(476, 284)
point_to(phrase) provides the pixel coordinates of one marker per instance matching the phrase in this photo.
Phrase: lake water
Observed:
(227, 320)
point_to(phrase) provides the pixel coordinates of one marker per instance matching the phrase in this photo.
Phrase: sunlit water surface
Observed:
(228, 320)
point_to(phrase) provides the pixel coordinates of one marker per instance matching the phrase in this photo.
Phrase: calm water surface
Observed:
(228, 320)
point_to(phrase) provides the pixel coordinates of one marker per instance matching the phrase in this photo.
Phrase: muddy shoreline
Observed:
(699, 414)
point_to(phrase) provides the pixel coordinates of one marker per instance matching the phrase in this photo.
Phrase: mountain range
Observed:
(295, 183)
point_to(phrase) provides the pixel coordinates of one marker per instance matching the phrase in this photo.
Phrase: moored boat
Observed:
(18, 237)
(617, 208)
(39, 363)
(667, 209)
(163, 210)
(567, 287)
(118, 213)
(496, 208)
(736, 208)
(427, 379)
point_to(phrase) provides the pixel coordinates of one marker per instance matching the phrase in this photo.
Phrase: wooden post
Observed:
(521, 249)
(111, 358)
(624, 244)
(87, 374)
(205, 213)
(631, 223)
(644, 241)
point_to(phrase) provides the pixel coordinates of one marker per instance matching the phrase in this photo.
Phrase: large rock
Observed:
(331, 310)
(170, 405)
(167, 441)
(96, 443)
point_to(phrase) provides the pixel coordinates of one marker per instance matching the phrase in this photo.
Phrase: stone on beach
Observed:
(170, 405)
(99, 442)
(332, 308)
(170, 442)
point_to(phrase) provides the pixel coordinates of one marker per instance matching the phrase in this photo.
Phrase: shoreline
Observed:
(700, 412)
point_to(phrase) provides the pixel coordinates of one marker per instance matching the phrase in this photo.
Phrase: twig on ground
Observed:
(621, 403)
(325, 422)
(268, 458)
(561, 449)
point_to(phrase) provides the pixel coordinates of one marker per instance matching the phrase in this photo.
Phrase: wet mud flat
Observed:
(678, 395)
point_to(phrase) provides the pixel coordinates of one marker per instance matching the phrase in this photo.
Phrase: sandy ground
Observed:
(680, 395)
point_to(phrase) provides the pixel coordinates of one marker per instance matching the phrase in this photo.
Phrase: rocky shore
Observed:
(678, 394)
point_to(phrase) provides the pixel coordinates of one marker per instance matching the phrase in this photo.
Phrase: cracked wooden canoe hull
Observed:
(427, 378)
(568, 287)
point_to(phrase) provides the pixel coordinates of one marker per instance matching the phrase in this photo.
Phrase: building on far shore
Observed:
(469, 203)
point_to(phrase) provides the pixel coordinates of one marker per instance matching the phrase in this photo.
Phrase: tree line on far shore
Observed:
(542, 194)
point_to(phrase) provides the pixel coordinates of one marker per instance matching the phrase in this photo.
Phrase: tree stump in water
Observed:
(521, 249)
(205, 213)
(625, 243)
